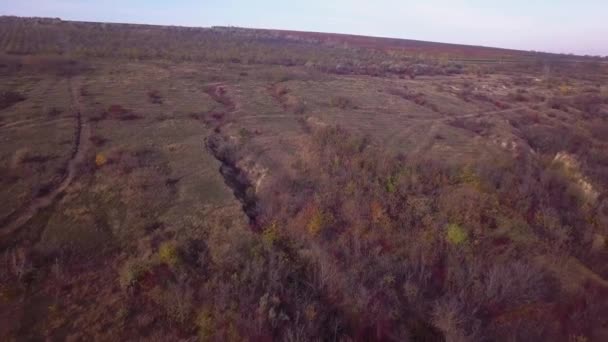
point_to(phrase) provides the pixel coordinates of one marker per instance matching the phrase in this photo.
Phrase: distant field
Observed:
(235, 184)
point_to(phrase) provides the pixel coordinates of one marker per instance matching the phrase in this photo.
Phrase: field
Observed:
(166, 183)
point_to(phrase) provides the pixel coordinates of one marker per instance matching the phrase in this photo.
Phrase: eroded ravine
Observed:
(234, 176)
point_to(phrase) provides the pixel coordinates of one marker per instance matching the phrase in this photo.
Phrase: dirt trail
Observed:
(30, 123)
(490, 113)
(81, 137)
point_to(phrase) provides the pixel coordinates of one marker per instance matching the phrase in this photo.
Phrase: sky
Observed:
(562, 26)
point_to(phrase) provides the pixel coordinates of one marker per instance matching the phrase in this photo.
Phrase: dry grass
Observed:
(333, 205)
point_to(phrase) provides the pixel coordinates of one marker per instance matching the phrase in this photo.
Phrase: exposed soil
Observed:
(234, 177)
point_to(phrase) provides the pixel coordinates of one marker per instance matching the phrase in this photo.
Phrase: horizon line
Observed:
(571, 54)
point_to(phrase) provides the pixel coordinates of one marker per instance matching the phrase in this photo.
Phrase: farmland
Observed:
(167, 183)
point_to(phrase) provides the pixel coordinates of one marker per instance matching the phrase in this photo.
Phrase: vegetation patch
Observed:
(342, 102)
(455, 234)
(10, 98)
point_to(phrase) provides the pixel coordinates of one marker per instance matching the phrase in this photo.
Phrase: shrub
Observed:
(449, 318)
(244, 133)
(416, 97)
(299, 107)
(590, 104)
(281, 90)
(120, 113)
(518, 96)
(565, 90)
(205, 324)
(131, 272)
(316, 223)
(168, 254)
(100, 160)
(177, 301)
(83, 235)
(341, 102)
(560, 103)
(270, 234)
(18, 263)
(455, 234)
(155, 97)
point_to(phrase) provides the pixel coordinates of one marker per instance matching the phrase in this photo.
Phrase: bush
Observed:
(270, 234)
(131, 272)
(341, 102)
(206, 325)
(298, 107)
(178, 302)
(118, 112)
(449, 318)
(317, 223)
(416, 97)
(559, 103)
(455, 234)
(518, 96)
(168, 253)
(590, 104)
(100, 160)
(155, 97)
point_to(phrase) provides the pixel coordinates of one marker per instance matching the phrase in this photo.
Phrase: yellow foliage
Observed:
(456, 235)
(565, 89)
(270, 234)
(168, 254)
(316, 223)
(100, 160)
(205, 323)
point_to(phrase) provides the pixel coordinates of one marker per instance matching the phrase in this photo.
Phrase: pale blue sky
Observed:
(577, 26)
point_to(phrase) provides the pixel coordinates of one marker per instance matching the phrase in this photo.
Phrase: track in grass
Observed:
(82, 133)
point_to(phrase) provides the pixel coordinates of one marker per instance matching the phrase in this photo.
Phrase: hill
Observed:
(177, 183)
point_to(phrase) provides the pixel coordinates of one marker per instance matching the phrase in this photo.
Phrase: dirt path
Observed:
(30, 123)
(429, 140)
(81, 138)
(490, 113)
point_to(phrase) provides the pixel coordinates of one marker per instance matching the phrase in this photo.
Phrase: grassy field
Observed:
(165, 183)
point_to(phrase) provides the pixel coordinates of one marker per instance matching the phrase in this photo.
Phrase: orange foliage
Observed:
(377, 212)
